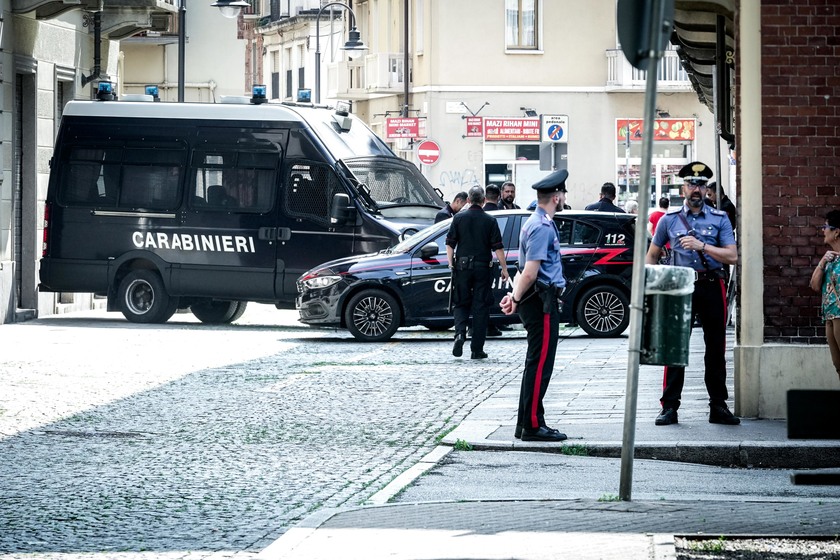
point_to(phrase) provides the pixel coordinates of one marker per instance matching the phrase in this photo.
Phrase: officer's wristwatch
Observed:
(514, 300)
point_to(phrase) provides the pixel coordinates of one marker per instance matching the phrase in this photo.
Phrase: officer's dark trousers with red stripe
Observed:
(709, 304)
(543, 330)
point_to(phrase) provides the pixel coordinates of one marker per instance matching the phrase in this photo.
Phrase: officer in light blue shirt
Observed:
(536, 297)
(701, 238)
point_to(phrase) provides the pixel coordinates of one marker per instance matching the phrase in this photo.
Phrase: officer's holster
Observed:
(550, 296)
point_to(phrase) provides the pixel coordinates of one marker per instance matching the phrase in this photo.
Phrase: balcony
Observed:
(374, 75)
(621, 76)
(120, 18)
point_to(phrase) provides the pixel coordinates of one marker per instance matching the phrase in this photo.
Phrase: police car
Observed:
(409, 283)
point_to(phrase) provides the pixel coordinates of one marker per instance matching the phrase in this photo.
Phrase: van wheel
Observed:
(372, 316)
(239, 311)
(603, 312)
(143, 299)
(216, 312)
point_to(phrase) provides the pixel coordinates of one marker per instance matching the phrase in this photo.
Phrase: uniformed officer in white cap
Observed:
(701, 238)
(536, 297)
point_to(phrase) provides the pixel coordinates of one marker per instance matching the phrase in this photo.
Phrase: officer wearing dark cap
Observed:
(536, 297)
(701, 238)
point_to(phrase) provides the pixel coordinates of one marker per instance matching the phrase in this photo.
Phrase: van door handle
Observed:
(274, 233)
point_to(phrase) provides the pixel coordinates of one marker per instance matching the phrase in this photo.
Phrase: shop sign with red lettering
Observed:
(505, 129)
(475, 126)
(405, 127)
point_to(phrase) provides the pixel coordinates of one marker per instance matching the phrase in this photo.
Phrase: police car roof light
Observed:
(258, 94)
(105, 91)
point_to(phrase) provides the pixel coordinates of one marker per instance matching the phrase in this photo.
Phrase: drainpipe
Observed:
(97, 50)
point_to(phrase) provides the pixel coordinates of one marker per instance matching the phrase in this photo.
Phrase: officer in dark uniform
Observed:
(472, 239)
(701, 238)
(452, 208)
(536, 297)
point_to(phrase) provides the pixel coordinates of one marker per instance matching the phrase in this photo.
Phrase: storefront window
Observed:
(673, 147)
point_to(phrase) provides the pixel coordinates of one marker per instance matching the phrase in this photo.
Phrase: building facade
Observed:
(477, 80)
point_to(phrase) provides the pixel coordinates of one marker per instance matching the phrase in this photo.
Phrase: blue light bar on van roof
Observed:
(304, 95)
(105, 91)
(258, 94)
(153, 91)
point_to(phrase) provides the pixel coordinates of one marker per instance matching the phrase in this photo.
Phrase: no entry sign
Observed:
(428, 152)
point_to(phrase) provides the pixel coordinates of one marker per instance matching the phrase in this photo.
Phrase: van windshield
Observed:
(396, 186)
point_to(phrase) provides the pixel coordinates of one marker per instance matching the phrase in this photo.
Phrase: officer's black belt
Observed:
(470, 263)
(709, 275)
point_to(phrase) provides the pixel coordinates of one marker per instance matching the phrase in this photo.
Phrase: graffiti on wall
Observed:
(456, 181)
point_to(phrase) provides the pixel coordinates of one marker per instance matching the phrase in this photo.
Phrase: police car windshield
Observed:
(420, 238)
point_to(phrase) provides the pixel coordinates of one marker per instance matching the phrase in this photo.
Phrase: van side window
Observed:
(123, 177)
(150, 179)
(309, 191)
(228, 180)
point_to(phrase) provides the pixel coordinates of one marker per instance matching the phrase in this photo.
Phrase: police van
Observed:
(168, 206)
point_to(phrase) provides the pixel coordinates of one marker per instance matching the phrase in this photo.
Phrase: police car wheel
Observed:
(603, 312)
(216, 312)
(372, 316)
(143, 298)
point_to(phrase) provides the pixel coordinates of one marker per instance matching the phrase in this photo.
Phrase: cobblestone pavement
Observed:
(193, 441)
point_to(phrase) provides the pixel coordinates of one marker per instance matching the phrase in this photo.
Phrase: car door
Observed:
(426, 293)
(426, 290)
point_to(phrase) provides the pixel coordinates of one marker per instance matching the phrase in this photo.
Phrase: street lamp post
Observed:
(354, 43)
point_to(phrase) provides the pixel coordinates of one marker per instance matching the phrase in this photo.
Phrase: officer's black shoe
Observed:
(458, 347)
(517, 432)
(667, 417)
(478, 355)
(493, 330)
(544, 433)
(720, 414)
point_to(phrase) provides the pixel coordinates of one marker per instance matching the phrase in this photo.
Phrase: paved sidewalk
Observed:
(586, 401)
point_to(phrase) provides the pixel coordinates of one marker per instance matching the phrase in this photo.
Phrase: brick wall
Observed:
(801, 158)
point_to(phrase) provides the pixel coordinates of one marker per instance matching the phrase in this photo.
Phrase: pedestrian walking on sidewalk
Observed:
(701, 238)
(473, 237)
(536, 297)
(826, 280)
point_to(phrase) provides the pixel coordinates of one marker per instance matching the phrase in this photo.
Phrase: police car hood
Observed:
(359, 264)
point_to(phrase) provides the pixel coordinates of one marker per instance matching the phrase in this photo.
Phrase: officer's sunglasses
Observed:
(694, 184)
(826, 226)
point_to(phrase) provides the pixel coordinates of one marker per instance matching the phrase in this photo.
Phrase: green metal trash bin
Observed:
(666, 321)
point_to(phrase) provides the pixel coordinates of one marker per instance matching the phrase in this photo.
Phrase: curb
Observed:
(754, 454)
